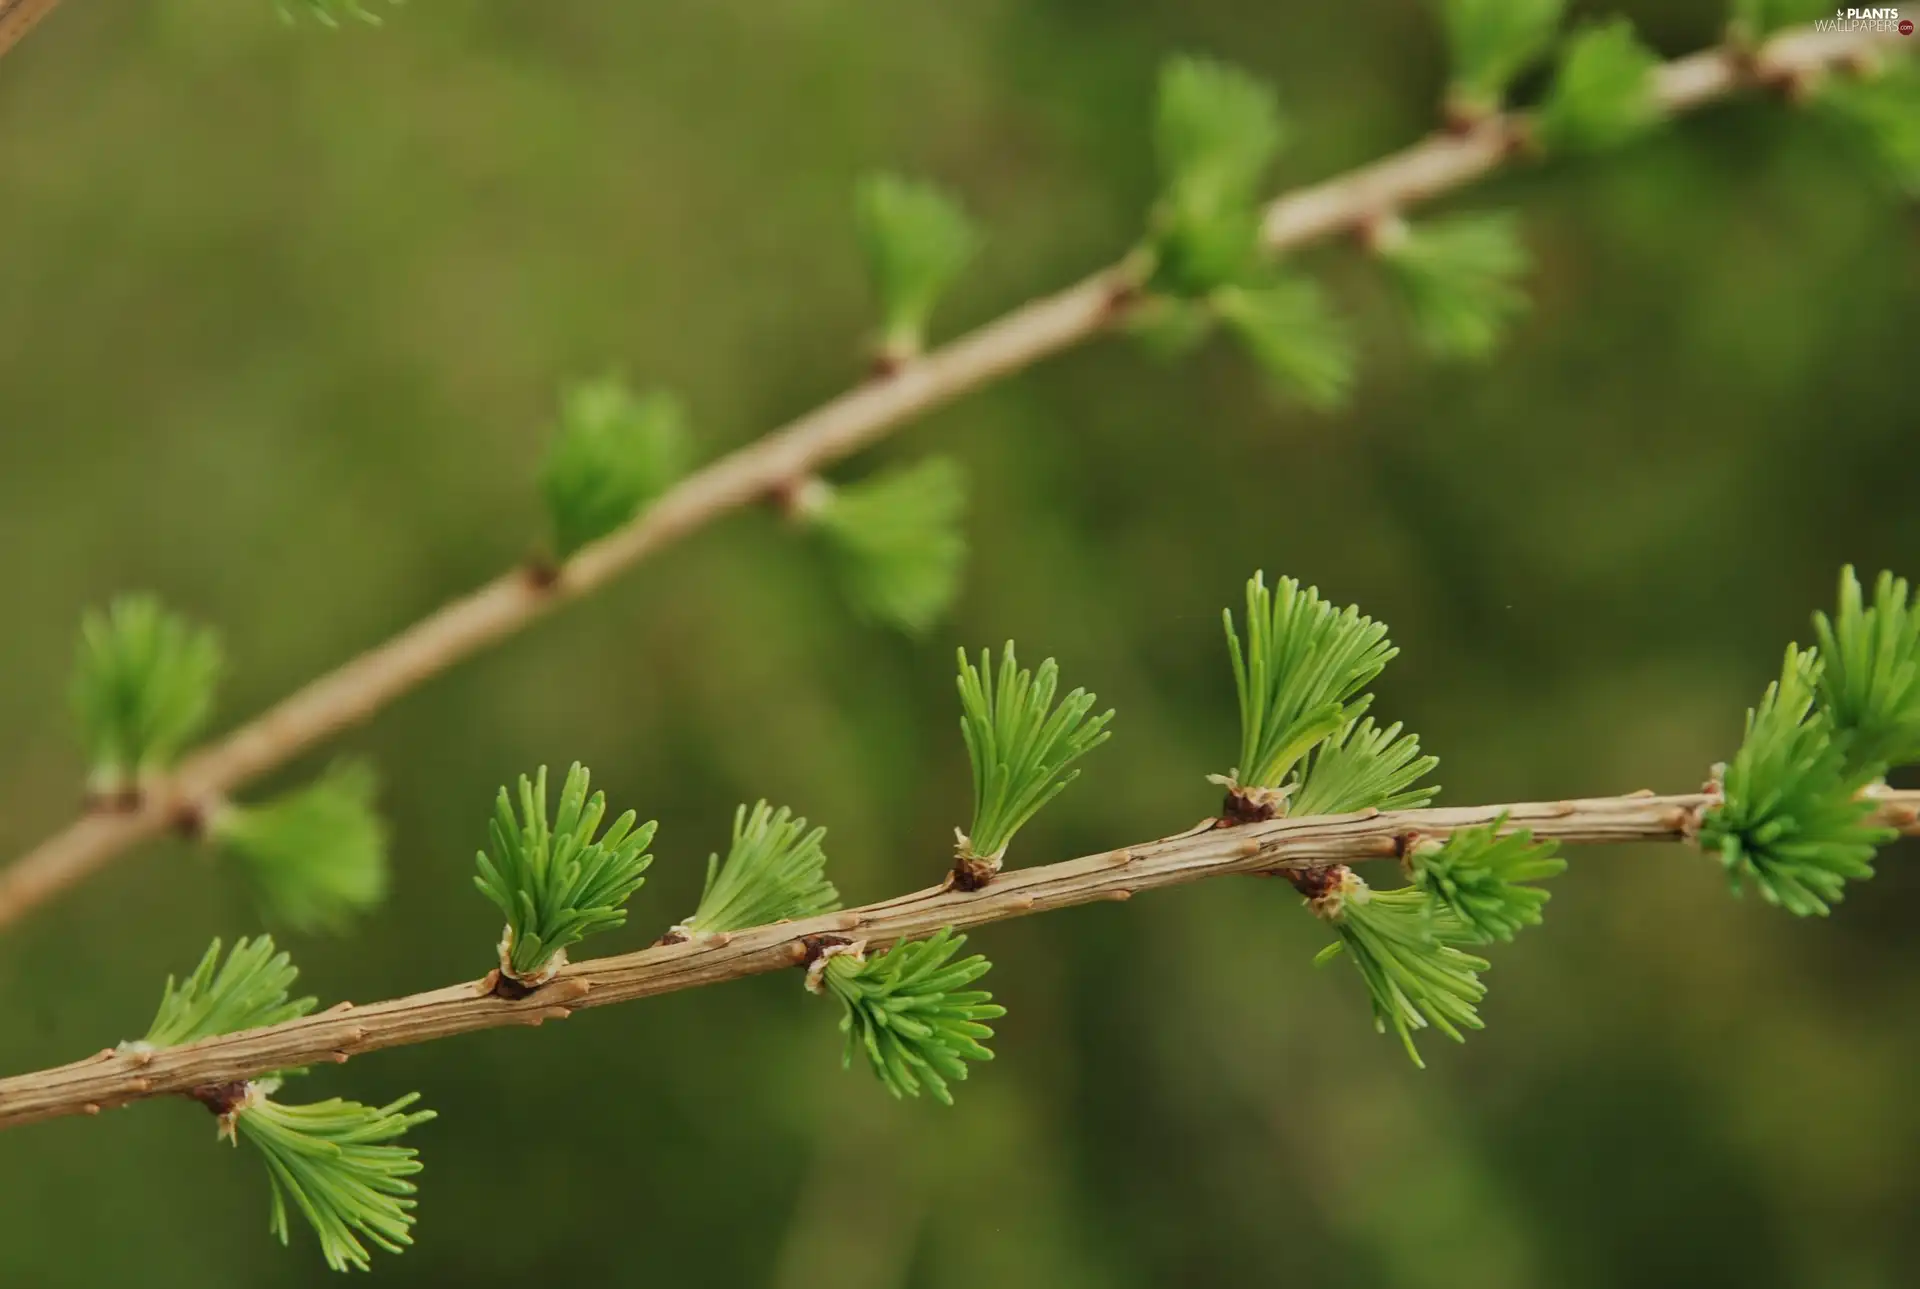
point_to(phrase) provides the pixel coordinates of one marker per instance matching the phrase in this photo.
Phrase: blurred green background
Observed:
(282, 315)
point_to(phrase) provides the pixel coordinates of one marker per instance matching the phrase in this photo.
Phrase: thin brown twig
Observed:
(114, 1077)
(353, 692)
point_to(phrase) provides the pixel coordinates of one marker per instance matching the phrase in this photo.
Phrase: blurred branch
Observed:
(17, 18)
(361, 687)
(116, 1077)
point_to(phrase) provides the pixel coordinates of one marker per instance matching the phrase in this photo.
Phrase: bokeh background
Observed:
(282, 315)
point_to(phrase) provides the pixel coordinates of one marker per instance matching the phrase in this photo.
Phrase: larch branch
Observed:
(355, 691)
(114, 1078)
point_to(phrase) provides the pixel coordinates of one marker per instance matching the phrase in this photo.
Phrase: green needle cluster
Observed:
(331, 1162)
(895, 540)
(1021, 745)
(774, 872)
(143, 685)
(910, 1012)
(554, 880)
(317, 855)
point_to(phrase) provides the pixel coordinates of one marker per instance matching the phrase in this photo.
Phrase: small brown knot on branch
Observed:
(820, 949)
(196, 819)
(1122, 295)
(1248, 805)
(889, 360)
(971, 871)
(801, 499)
(1464, 114)
(1326, 889)
(225, 1101)
(502, 986)
(1798, 85)
(676, 934)
(504, 982)
(541, 572)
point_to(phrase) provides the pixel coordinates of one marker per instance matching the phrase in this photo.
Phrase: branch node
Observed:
(821, 948)
(801, 498)
(1250, 805)
(1323, 887)
(889, 361)
(541, 573)
(223, 1100)
(506, 988)
(970, 872)
(192, 819)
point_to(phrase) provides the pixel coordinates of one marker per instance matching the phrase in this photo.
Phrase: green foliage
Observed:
(897, 543)
(1883, 110)
(917, 241)
(1869, 682)
(1292, 333)
(558, 885)
(1479, 877)
(1169, 326)
(1492, 42)
(1299, 676)
(1020, 744)
(910, 1012)
(1361, 768)
(1457, 277)
(327, 1158)
(142, 686)
(333, 1162)
(1403, 946)
(775, 872)
(317, 855)
(612, 454)
(1216, 130)
(1603, 94)
(247, 991)
(1789, 819)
